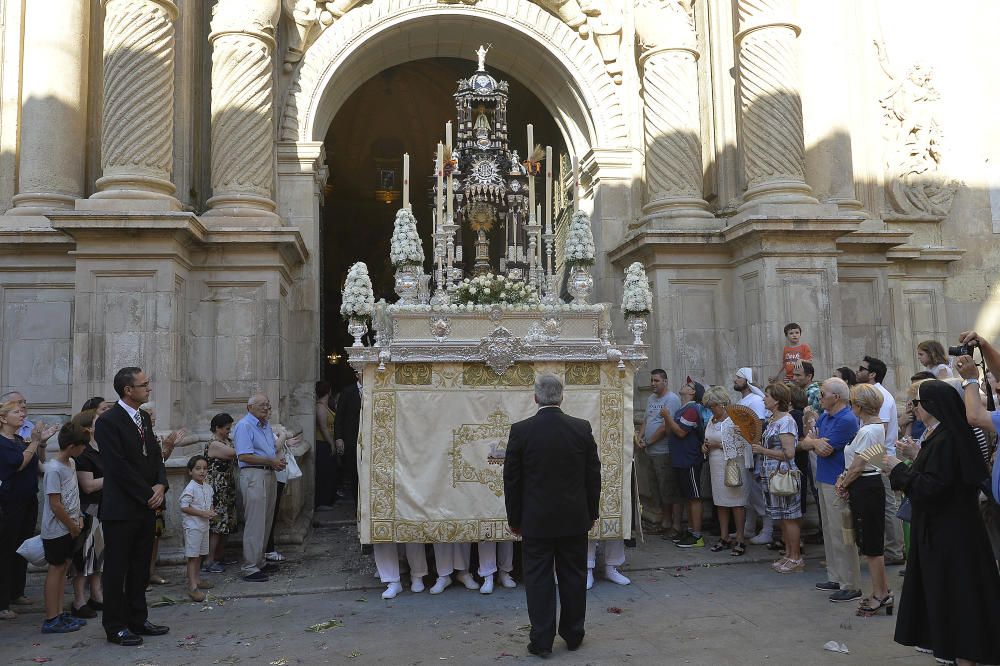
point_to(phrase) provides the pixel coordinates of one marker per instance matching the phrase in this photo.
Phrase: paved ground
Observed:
(691, 607)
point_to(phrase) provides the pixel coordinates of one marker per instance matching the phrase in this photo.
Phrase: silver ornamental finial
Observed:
(483, 50)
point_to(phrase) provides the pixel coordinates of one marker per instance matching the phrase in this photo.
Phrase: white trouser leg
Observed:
(505, 555)
(591, 554)
(614, 552)
(487, 558)
(387, 562)
(416, 556)
(451, 557)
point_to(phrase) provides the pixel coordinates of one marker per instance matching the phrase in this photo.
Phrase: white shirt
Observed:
(889, 415)
(867, 437)
(756, 403)
(131, 412)
(196, 496)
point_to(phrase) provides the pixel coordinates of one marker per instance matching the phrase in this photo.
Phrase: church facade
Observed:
(163, 166)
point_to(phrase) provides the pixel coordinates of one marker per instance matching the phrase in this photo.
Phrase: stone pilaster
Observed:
(137, 140)
(671, 115)
(243, 41)
(53, 107)
(771, 106)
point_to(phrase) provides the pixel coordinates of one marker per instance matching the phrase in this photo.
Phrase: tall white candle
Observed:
(531, 177)
(548, 189)
(451, 185)
(406, 180)
(439, 203)
(576, 184)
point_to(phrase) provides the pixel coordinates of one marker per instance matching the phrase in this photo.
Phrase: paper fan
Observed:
(746, 422)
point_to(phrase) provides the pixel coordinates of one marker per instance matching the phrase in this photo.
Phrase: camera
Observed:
(961, 350)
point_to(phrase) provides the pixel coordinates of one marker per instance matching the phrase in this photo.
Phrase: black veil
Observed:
(942, 402)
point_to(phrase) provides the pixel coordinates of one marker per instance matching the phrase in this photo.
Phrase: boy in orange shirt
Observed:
(793, 351)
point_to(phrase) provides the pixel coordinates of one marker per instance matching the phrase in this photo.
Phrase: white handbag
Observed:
(291, 471)
(33, 551)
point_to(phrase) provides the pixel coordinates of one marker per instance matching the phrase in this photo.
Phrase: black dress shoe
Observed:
(125, 638)
(544, 653)
(573, 646)
(150, 629)
(270, 568)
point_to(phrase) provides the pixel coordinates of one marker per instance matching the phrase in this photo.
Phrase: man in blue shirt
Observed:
(685, 432)
(837, 427)
(258, 460)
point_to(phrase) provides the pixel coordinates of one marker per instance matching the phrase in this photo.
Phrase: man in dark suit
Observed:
(346, 423)
(552, 484)
(135, 483)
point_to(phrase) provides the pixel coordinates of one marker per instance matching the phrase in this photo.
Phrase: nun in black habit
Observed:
(951, 592)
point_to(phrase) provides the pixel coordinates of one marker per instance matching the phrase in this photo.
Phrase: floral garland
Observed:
(580, 243)
(357, 300)
(637, 299)
(492, 289)
(405, 248)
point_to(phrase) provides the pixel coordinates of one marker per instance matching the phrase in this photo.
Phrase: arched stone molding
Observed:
(570, 76)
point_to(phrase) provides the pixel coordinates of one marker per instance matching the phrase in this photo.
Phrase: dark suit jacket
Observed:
(552, 475)
(129, 476)
(347, 421)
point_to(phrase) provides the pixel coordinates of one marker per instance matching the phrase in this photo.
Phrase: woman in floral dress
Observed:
(221, 469)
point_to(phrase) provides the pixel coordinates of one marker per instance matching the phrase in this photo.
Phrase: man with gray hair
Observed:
(552, 488)
(258, 460)
(836, 429)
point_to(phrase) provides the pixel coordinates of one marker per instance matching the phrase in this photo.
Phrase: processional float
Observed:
(451, 369)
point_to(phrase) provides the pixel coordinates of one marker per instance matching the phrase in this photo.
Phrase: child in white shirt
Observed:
(196, 505)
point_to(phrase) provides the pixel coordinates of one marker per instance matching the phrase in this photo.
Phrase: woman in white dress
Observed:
(723, 443)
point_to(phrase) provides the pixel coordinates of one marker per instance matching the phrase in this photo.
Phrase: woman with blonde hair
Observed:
(722, 444)
(861, 481)
(931, 355)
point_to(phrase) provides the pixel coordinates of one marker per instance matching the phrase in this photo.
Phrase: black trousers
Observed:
(326, 474)
(348, 477)
(569, 555)
(17, 524)
(128, 546)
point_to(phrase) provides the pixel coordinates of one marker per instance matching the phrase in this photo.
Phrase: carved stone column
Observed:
(243, 40)
(773, 147)
(137, 141)
(53, 108)
(671, 114)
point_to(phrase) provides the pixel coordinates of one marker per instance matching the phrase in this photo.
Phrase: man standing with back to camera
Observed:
(552, 485)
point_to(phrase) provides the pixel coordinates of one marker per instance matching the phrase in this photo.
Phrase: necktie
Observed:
(142, 436)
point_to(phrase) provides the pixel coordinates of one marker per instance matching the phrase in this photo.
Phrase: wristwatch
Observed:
(970, 381)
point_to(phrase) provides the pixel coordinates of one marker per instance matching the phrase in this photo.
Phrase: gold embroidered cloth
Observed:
(433, 436)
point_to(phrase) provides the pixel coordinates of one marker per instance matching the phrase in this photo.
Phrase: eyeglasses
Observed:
(142, 385)
(862, 368)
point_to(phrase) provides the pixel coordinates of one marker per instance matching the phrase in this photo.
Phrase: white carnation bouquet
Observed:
(580, 241)
(405, 248)
(492, 289)
(637, 298)
(357, 300)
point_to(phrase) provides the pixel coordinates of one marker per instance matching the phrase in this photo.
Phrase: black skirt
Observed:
(867, 499)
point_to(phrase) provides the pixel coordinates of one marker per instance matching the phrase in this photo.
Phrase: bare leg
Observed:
(79, 591)
(880, 584)
(215, 546)
(55, 581)
(739, 517)
(791, 530)
(96, 587)
(675, 512)
(723, 512)
(193, 564)
(694, 509)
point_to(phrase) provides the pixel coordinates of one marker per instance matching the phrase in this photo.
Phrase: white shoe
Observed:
(761, 539)
(274, 556)
(507, 581)
(391, 590)
(466, 579)
(487, 586)
(440, 584)
(615, 576)
(416, 584)
(590, 578)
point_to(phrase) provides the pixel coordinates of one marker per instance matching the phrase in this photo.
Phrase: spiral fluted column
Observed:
(53, 133)
(137, 137)
(671, 113)
(242, 108)
(773, 146)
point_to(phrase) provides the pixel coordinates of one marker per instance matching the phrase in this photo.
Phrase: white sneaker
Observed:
(274, 556)
(507, 581)
(466, 579)
(615, 576)
(416, 584)
(590, 578)
(761, 539)
(440, 584)
(487, 586)
(391, 590)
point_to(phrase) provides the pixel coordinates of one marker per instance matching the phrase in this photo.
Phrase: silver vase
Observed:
(408, 284)
(637, 325)
(357, 327)
(580, 284)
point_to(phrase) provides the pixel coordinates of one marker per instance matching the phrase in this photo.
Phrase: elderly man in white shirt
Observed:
(753, 397)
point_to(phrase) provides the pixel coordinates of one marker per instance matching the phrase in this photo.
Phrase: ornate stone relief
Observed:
(307, 19)
(914, 184)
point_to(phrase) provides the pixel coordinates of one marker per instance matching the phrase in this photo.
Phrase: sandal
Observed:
(867, 608)
(792, 566)
(739, 549)
(721, 545)
(778, 563)
(7, 614)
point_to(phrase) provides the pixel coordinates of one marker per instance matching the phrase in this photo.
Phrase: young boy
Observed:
(62, 523)
(196, 505)
(794, 350)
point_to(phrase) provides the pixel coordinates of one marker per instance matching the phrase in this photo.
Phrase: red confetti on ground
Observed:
(41, 660)
(614, 610)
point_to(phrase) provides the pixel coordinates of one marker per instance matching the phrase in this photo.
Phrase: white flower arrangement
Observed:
(492, 289)
(580, 241)
(405, 248)
(357, 300)
(637, 298)
(456, 308)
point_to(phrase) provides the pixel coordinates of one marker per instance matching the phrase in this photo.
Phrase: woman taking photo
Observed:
(221, 469)
(951, 592)
(723, 444)
(862, 482)
(777, 454)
